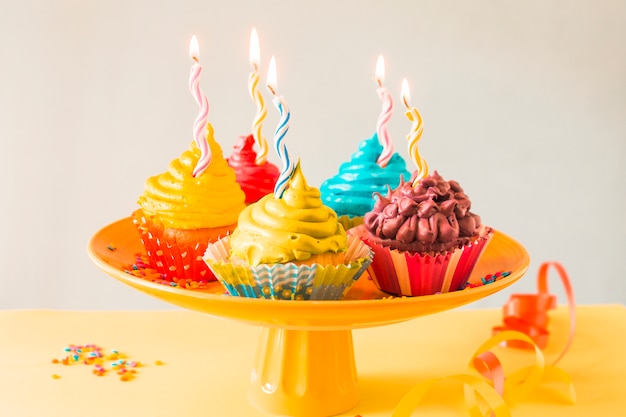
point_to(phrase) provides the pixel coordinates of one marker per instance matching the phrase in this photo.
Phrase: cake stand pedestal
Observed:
(304, 363)
(304, 372)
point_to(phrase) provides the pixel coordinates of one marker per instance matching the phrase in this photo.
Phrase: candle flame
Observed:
(194, 49)
(271, 76)
(405, 92)
(380, 70)
(255, 49)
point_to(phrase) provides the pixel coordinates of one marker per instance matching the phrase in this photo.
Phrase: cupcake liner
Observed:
(349, 222)
(177, 256)
(288, 281)
(412, 274)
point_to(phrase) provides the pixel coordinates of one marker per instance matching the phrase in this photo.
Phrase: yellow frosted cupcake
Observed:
(291, 248)
(181, 213)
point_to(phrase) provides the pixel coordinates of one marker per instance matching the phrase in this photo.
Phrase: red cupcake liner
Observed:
(175, 256)
(412, 274)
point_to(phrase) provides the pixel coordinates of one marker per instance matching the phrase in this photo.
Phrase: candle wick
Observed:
(195, 58)
(255, 67)
(379, 82)
(406, 103)
(269, 87)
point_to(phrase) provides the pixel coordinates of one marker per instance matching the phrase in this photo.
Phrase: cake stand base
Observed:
(304, 373)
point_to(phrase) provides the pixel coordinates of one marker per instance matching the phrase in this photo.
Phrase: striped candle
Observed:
(200, 124)
(281, 131)
(385, 115)
(415, 134)
(261, 110)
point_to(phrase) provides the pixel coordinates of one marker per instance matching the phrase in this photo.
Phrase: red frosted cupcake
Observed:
(256, 180)
(424, 237)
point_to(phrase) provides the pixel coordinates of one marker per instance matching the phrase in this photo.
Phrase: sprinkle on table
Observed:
(102, 362)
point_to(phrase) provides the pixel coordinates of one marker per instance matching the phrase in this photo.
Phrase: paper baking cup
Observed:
(349, 222)
(179, 258)
(411, 274)
(288, 281)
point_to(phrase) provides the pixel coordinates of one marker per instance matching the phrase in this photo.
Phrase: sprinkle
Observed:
(159, 363)
(55, 376)
(102, 363)
(141, 268)
(111, 247)
(488, 279)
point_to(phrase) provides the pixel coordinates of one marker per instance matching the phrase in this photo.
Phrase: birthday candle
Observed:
(385, 115)
(281, 131)
(261, 111)
(200, 124)
(415, 134)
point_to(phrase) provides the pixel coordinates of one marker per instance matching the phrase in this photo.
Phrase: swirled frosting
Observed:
(255, 180)
(292, 228)
(182, 201)
(350, 192)
(432, 216)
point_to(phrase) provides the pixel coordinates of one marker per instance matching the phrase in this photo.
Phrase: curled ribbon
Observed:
(491, 384)
(528, 313)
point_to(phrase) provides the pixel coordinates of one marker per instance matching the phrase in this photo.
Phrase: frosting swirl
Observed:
(292, 228)
(432, 216)
(350, 192)
(255, 180)
(182, 201)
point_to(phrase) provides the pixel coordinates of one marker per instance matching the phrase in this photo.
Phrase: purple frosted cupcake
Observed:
(424, 237)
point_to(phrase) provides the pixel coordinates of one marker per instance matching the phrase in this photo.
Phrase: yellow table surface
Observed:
(207, 363)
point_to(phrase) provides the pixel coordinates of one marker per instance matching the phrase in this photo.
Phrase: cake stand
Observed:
(304, 363)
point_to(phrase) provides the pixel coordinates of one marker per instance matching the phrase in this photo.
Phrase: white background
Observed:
(524, 102)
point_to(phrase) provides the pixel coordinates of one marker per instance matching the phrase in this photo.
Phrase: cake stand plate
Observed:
(304, 363)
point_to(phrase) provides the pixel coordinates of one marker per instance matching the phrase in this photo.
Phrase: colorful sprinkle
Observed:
(488, 279)
(141, 269)
(102, 363)
(111, 247)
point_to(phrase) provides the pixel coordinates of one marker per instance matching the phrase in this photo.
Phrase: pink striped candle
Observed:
(200, 124)
(385, 115)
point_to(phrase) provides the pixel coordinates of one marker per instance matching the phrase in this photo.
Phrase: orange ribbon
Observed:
(528, 313)
(525, 326)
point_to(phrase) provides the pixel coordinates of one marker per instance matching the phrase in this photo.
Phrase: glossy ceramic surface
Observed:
(364, 305)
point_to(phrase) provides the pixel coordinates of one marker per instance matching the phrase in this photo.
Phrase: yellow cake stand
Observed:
(304, 363)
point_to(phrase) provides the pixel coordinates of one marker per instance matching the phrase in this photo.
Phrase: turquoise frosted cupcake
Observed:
(349, 192)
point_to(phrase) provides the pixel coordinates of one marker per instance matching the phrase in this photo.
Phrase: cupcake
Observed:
(424, 237)
(181, 213)
(289, 248)
(256, 180)
(349, 192)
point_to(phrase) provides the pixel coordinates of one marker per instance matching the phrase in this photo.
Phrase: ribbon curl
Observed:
(525, 313)
(528, 313)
